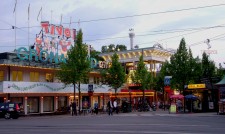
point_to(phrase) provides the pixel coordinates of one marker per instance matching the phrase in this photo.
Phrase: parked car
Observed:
(9, 110)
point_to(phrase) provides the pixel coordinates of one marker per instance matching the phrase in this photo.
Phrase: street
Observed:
(128, 123)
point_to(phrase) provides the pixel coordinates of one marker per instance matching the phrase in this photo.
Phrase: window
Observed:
(17, 75)
(1, 75)
(49, 77)
(34, 76)
(96, 80)
(33, 105)
(48, 105)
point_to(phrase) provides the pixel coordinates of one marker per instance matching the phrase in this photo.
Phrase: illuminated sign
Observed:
(194, 86)
(43, 55)
(53, 38)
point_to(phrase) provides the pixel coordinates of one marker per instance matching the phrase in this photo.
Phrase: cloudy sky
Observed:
(105, 22)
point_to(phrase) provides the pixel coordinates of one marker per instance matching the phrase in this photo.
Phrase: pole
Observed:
(28, 26)
(15, 28)
(164, 99)
(130, 101)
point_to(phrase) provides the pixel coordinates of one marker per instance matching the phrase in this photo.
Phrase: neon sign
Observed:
(53, 38)
(43, 56)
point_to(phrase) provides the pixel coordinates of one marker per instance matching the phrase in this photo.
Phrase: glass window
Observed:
(20, 76)
(14, 75)
(48, 104)
(62, 102)
(1, 75)
(11, 105)
(17, 75)
(49, 77)
(34, 76)
(33, 104)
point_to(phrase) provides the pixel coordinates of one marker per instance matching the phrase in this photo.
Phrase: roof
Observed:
(222, 82)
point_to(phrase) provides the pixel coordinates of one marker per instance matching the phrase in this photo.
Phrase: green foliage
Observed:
(208, 67)
(180, 66)
(113, 48)
(77, 66)
(115, 75)
(141, 75)
(94, 54)
(159, 80)
(185, 69)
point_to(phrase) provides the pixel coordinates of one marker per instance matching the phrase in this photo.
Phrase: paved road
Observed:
(129, 123)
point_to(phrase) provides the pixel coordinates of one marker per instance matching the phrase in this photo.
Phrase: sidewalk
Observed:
(166, 113)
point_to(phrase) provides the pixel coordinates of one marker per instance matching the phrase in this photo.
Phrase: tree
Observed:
(180, 67)
(142, 77)
(77, 65)
(208, 67)
(121, 47)
(159, 86)
(113, 48)
(115, 74)
(220, 71)
(94, 54)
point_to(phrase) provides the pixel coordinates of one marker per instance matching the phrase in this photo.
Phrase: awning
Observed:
(221, 83)
(177, 96)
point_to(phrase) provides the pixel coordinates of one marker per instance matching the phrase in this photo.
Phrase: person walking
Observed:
(110, 107)
(115, 106)
(74, 109)
(96, 107)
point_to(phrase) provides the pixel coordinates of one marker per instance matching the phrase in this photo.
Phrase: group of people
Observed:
(73, 108)
(112, 107)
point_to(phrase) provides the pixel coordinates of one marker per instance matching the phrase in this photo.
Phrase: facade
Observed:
(34, 86)
(153, 57)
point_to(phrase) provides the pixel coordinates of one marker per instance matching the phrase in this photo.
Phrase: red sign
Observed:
(167, 89)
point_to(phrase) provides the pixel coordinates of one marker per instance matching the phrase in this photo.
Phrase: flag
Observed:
(29, 12)
(15, 6)
(39, 13)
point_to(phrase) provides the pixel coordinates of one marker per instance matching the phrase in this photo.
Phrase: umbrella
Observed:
(178, 96)
(191, 97)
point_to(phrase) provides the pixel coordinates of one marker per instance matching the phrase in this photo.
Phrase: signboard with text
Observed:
(194, 86)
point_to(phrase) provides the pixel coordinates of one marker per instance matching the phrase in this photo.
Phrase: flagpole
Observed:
(15, 23)
(28, 25)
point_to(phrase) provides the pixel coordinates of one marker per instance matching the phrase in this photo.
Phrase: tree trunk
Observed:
(79, 96)
(115, 92)
(74, 99)
(143, 100)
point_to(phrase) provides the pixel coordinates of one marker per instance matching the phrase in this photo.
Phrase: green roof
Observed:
(222, 82)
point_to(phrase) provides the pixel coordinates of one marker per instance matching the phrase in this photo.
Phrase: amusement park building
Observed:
(33, 83)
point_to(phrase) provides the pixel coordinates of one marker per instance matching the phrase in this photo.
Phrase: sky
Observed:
(105, 22)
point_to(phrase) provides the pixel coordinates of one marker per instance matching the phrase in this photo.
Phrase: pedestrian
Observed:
(74, 109)
(115, 106)
(96, 107)
(179, 105)
(110, 107)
